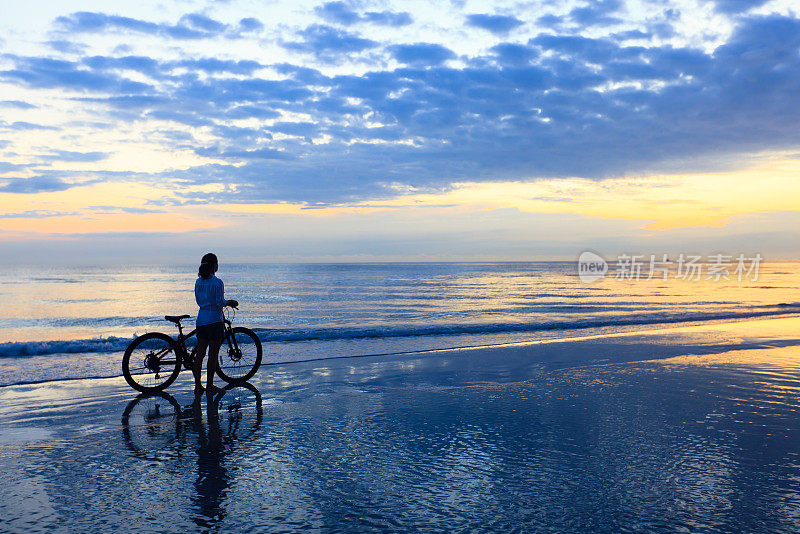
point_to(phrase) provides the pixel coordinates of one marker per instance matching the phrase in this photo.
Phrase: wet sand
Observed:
(691, 428)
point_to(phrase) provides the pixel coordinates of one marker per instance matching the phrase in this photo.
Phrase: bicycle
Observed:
(153, 361)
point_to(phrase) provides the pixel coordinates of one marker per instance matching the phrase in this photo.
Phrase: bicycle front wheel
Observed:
(150, 363)
(150, 424)
(240, 356)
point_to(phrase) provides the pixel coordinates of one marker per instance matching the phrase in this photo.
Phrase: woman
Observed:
(209, 294)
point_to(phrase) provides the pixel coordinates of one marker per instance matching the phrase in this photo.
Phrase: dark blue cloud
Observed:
(46, 73)
(20, 126)
(514, 53)
(421, 53)
(202, 23)
(67, 47)
(250, 24)
(88, 22)
(732, 7)
(67, 155)
(329, 43)
(596, 13)
(557, 105)
(36, 214)
(632, 34)
(6, 167)
(181, 117)
(141, 64)
(343, 13)
(249, 112)
(36, 184)
(550, 20)
(116, 209)
(498, 24)
(190, 26)
(338, 12)
(257, 153)
(213, 65)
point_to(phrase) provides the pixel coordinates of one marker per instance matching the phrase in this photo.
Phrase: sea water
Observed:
(442, 442)
(61, 322)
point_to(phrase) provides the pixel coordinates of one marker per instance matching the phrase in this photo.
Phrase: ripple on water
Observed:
(680, 445)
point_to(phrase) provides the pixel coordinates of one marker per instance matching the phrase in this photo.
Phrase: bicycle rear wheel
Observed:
(239, 356)
(150, 363)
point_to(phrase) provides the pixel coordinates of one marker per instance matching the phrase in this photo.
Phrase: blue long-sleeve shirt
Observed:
(210, 296)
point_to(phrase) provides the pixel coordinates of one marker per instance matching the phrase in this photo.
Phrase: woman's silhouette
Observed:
(209, 292)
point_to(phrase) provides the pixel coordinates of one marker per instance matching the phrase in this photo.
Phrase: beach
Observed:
(689, 428)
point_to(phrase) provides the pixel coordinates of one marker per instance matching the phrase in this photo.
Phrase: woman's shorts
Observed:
(213, 333)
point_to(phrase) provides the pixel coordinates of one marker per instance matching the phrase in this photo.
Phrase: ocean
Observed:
(62, 322)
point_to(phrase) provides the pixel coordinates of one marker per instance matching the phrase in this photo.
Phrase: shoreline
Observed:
(64, 407)
(575, 333)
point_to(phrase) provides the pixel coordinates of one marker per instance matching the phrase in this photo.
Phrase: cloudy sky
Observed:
(415, 130)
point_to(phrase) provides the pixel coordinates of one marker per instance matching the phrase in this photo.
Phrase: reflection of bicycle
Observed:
(155, 427)
(152, 361)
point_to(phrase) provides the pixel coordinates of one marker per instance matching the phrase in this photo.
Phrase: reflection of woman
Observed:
(213, 479)
(209, 292)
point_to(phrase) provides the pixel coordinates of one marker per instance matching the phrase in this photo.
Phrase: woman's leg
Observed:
(197, 368)
(211, 368)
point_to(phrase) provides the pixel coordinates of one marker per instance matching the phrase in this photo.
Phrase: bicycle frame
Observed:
(180, 342)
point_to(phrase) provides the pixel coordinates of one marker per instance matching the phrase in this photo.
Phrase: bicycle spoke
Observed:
(150, 362)
(240, 355)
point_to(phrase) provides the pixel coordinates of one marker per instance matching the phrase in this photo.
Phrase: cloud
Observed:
(71, 156)
(560, 104)
(18, 104)
(67, 47)
(596, 13)
(117, 209)
(189, 26)
(513, 53)
(342, 13)
(37, 214)
(328, 43)
(421, 53)
(732, 7)
(388, 18)
(47, 73)
(6, 167)
(497, 24)
(250, 24)
(550, 20)
(36, 184)
(213, 65)
(20, 126)
(338, 12)
(141, 64)
(260, 153)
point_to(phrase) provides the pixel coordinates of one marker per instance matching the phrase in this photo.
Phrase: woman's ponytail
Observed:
(207, 265)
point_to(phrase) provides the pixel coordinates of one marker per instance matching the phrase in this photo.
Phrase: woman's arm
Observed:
(221, 297)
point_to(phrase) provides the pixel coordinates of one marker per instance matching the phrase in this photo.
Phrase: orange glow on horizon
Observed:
(660, 202)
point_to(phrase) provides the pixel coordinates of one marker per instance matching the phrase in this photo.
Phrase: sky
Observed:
(397, 131)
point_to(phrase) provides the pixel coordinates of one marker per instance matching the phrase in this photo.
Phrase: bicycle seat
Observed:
(176, 318)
